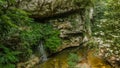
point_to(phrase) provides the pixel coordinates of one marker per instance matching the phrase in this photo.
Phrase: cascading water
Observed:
(42, 52)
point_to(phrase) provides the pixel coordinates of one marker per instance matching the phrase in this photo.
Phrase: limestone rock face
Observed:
(71, 27)
(71, 30)
(46, 8)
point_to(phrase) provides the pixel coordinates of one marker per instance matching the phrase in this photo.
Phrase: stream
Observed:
(42, 52)
(87, 59)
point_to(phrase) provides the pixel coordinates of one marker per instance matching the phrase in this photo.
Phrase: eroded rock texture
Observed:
(71, 30)
(46, 8)
(71, 27)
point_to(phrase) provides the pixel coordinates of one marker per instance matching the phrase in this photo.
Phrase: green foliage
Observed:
(107, 20)
(20, 33)
(51, 37)
(53, 42)
(12, 18)
(7, 65)
(107, 24)
(25, 37)
(7, 56)
(72, 60)
(17, 34)
(31, 34)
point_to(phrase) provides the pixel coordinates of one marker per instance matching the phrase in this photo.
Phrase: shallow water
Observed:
(87, 60)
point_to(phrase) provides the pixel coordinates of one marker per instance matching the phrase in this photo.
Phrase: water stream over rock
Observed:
(87, 59)
(42, 52)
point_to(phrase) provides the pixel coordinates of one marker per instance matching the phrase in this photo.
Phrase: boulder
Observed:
(47, 8)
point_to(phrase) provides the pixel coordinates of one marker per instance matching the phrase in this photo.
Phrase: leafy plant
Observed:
(72, 60)
(51, 37)
(107, 27)
(17, 33)
(8, 56)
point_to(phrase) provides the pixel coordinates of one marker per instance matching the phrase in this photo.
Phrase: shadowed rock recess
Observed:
(71, 31)
(69, 17)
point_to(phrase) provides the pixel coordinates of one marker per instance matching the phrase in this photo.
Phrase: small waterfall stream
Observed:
(42, 52)
(60, 60)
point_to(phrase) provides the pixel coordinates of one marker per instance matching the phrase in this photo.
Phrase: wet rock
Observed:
(30, 63)
(85, 61)
(82, 65)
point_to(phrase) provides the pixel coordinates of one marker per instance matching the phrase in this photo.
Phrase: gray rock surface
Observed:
(46, 8)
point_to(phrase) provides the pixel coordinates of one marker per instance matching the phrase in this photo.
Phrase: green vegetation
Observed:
(7, 57)
(19, 34)
(50, 37)
(106, 25)
(72, 60)
(12, 25)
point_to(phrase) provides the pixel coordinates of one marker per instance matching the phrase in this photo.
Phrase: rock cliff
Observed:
(71, 30)
(72, 27)
(48, 8)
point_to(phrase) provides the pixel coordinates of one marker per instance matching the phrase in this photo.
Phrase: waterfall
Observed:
(42, 52)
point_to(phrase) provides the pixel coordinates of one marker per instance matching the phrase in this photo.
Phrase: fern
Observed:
(51, 37)
(7, 57)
